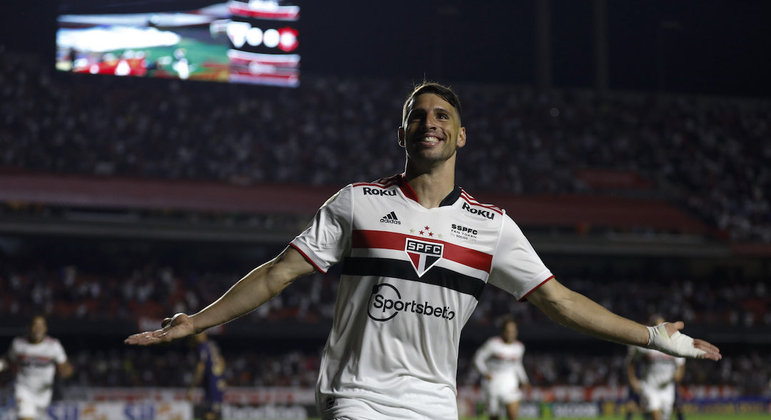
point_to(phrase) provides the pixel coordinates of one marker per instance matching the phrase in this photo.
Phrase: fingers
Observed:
(673, 327)
(146, 338)
(170, 321)
(667, 338)
(172, 328)
(711, 352)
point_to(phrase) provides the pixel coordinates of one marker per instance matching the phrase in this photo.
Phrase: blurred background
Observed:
(629, 139)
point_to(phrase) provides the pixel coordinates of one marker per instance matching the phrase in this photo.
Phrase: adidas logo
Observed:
(390, 218)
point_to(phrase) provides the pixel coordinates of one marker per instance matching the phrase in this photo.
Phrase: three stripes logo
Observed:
(390, 218)
(423, 255)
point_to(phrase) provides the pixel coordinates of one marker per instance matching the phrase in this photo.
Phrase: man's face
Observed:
(38, 330)
(431, 132)
(510, 332)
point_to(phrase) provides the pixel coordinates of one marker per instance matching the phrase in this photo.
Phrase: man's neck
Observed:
(431, 186)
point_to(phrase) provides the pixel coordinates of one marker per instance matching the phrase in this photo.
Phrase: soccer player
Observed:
(659, 376)
(37, 358)
(208, 372)
(632, 405)
(499, 360)
(417, 250)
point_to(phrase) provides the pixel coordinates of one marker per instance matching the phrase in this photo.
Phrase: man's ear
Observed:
(461, 137)
(400, 136)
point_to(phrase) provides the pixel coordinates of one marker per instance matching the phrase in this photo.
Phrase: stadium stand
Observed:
(706, 155)
(686, 169)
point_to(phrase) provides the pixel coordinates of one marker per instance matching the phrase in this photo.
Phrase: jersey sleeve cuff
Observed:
(307, 255)
(524, 297)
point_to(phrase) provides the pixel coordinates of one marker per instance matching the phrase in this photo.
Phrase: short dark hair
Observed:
(35, 316)
(444, 92)
(503, 321)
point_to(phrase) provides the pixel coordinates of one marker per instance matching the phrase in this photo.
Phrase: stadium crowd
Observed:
(709, 155)
(150, 291)
(749, 369)
(706, 154)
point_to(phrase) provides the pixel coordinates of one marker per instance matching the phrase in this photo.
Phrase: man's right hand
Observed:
(176, 327)
(667, 338)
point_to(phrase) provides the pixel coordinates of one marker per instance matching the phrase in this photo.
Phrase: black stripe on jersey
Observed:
(438, 276)
(452, 197)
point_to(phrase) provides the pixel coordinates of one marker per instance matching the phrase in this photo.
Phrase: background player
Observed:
(208, 372)
(37, 358)
(660, 374)
(499, 360)
(632, 404)
(393, 348)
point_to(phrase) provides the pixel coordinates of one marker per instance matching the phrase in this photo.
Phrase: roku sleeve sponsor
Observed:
(326, 240)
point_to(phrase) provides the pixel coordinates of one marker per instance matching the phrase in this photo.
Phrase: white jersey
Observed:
(657, 369)
(410, 280)
(657, 380)
(37, 363)
(499, 360)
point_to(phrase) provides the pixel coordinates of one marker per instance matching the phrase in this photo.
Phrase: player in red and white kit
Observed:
(37, 358)
(499, 360)
(416, 252)
(659, 375)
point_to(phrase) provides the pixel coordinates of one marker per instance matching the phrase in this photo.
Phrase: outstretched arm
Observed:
(631, 374)
(580, 313)
(200, 368)
(679, 373)
(480, 359)
(65, 370)
(254, 289)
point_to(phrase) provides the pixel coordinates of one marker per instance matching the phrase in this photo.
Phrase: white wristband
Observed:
(676, 345)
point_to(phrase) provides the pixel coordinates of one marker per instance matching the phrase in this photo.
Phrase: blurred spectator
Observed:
(69, 292)
(708, 154)
(131, 367)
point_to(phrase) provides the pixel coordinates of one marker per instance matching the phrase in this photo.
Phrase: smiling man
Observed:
(416, 252)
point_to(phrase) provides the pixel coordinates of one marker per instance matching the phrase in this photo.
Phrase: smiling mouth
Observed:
(429, 140)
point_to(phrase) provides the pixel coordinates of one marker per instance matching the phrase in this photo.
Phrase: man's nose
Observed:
(430, 122)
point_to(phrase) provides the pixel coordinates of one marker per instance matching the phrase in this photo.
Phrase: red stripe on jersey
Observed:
(372, 184)
(524, 298)
(307, 258)
(396, 241)
(469, 199)
(382, 182)
(408, 191)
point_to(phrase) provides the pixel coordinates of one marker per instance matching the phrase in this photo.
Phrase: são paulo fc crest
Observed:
(423, 255)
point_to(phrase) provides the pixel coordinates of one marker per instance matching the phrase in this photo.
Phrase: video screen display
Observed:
(241, 41)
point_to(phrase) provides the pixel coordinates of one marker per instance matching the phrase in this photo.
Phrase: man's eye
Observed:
(444, 116)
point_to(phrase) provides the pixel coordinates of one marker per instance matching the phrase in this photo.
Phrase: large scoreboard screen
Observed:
(244, 41)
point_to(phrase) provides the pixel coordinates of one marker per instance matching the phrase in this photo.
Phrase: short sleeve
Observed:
(516, 267)
(327, 238)
(481, 356)
(13, 353)
(60, 355)
(631, 353)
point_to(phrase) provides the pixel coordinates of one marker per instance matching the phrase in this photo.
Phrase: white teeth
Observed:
(430, 139)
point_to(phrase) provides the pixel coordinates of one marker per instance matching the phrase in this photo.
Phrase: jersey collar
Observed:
(408, 192)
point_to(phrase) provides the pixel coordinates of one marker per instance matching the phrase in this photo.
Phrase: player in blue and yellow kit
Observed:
(209, 372)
